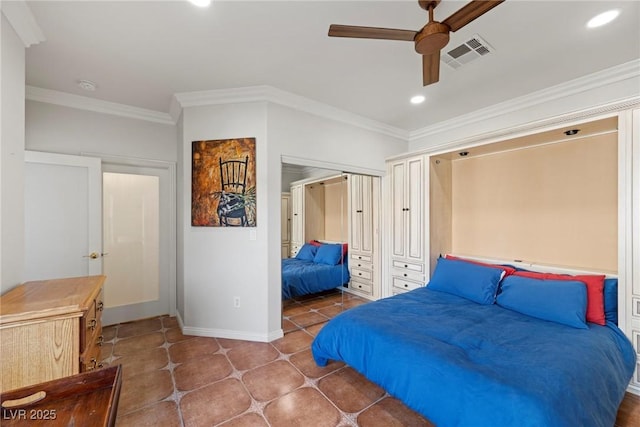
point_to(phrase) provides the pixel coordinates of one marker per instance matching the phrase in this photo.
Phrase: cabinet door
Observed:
(285, 221)
(366, 214)
(398, 217)
(355, 209)
(296, 214)
(414, 202)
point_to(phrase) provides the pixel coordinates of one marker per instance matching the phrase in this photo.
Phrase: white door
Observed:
(137, 224)
(63, 223)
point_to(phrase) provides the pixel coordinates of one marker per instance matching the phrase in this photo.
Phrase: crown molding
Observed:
(96, 105)
(281, 97)
(582, 84)
(591, 113)
(23, 22)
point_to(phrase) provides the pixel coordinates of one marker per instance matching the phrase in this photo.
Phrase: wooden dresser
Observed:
(50, 329)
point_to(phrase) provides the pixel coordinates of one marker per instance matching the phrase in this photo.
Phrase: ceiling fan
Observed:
(430, 39)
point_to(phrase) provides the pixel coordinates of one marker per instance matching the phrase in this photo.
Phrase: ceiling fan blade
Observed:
(469, 12)
(430, 68)
(371, 32)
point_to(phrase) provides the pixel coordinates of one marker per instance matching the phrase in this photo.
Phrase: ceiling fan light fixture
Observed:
(603, 18)
(418, 99)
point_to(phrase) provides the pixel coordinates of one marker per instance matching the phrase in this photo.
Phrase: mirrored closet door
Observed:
(329, 243)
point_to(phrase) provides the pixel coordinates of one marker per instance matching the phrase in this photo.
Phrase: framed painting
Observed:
(223, 183)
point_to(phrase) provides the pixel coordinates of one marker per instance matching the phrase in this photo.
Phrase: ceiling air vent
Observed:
(466, 52)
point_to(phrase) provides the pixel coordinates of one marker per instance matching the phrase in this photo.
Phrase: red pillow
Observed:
(315, 243)
(507, 270)
(595, 295)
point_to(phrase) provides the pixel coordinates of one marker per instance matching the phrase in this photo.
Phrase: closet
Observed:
(341, 208)
(363, 242)
(408, 186)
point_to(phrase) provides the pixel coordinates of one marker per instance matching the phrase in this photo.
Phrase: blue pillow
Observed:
(471, 281)
(328, 253)
(307, 252)
(559, 301)
(611, 300)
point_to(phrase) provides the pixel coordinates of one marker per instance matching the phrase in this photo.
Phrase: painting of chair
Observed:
(233, 180)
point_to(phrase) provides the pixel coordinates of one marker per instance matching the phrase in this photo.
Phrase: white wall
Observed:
(66, 130)
(12, 88)
(222, 263)
(303, 135)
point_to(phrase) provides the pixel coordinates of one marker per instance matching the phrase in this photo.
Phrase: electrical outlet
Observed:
(236, 302)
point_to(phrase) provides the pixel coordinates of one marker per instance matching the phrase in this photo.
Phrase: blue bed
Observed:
(460, 363)
(302, 277)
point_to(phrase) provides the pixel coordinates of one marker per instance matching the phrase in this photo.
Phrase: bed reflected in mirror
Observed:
(325, 211)
(314, 245)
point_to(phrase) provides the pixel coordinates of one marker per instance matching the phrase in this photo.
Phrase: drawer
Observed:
(361, 274)
(635, 306)
(362, 265)
(90, 359)
(294, 250)
(409, 275)
(404, 265)
(358, 257)
(404, 284)
(359, 286)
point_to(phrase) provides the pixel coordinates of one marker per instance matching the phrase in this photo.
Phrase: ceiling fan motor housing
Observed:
(432, 38)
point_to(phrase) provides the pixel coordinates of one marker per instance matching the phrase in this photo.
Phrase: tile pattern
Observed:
(170, 379)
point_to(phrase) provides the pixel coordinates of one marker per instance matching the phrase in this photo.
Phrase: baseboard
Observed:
(228, 333)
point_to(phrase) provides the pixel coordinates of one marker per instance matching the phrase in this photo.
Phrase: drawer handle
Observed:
(359, 274)
(100, 306)
(94, 364)
(100, 340)
(406, 286)
(92, 324)
(406, 266)
(359, 257)
(359, 265)
(405, 274)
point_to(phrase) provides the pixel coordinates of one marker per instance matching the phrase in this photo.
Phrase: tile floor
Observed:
(170, 379)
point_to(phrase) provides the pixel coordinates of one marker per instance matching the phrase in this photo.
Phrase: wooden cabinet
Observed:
(361, 214)
(285, 224)
(363, 254)
(297, 219)
(50, 329)
(407, 184)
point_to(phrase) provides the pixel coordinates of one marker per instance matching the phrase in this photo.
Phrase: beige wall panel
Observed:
(335, 203)
(553, 204)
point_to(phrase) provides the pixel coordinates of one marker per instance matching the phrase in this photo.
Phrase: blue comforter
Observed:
(463, 364)
(306, 277)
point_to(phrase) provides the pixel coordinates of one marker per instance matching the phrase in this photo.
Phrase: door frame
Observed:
(170, 167)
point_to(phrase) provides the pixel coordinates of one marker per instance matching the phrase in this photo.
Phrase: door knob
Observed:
(94, 255)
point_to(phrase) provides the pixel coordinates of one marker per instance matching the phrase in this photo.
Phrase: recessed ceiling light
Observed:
(87, 85)
(201, 3)
(603, 19)
(418, 99)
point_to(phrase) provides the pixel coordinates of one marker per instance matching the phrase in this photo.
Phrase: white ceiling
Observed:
(141, 53)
